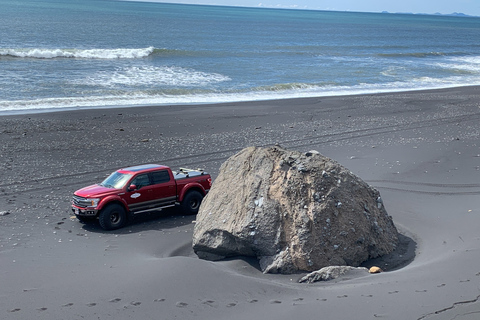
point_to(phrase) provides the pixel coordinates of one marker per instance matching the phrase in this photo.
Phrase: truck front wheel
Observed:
(191, 202)
(112, 217)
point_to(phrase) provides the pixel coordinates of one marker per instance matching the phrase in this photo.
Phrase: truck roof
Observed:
(143, 167)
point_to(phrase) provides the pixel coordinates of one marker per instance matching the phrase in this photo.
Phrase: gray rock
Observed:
(330, 273)
(293, 212)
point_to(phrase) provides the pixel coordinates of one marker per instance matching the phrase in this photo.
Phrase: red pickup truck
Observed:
(139, 189)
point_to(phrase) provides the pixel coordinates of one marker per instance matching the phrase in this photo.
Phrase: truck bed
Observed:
(183, 173)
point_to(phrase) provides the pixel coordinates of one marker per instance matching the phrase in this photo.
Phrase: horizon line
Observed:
(296, 7)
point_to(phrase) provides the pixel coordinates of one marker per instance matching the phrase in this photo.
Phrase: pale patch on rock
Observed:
(330, 273)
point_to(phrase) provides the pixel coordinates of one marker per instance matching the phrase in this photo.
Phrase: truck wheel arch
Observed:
(112, 199)
(191, 187)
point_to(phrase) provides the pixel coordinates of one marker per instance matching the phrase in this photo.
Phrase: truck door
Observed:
(140, 198)
(164, 191)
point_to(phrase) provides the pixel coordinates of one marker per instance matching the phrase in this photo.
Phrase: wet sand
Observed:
(421, 150)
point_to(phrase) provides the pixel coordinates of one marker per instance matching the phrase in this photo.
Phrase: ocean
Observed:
(63, 54)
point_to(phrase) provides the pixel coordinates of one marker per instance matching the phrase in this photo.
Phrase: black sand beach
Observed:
(421, 150)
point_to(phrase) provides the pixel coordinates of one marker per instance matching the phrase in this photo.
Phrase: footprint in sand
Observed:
(115, 300)
(298, 299)
(441, 285)
(233, 304)
(159, 300)
(93, 304)
(344, 296)
(15, 310)
(275, 301)
(135, 303)
(68, 304)
(252, 301)
(181, 304)
(322, 299)
(208, 302)
(42, 309)
(392, 292)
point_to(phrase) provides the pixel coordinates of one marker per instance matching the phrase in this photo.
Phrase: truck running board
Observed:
(154, 209)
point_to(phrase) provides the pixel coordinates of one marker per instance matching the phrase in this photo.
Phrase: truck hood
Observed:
(95, 191)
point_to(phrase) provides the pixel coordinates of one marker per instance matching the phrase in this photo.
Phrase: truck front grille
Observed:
(80, 201)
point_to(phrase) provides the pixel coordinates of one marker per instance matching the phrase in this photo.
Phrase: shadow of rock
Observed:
(399, 258)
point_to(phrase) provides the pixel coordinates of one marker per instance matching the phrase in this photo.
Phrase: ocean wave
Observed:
(469, 65)
(280, 87)
(470, 60)
(175, 52)
(152, 76)
(172, 97)
(142, 93)
(39, 53)
(417, 54)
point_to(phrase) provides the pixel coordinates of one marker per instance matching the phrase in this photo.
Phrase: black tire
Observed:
(112, 217)
(191, 202)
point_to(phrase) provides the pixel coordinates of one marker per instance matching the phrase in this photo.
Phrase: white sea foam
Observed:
(470, 64)
(39, 53)
(143, 99)
(393, 71)
(155, 76)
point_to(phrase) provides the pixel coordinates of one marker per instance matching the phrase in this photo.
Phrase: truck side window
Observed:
(160, 177)
(141, 181)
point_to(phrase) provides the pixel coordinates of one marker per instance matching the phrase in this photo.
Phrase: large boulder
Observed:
(293, 211)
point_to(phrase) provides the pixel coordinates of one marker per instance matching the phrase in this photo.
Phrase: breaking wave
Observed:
(38, 53)
(196, 96)
(153, 77)
(417, 54)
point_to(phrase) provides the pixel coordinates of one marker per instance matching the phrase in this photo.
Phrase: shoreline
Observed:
(153, 105)
(420, 149)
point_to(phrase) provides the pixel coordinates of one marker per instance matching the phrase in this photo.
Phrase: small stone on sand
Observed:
(375, 270)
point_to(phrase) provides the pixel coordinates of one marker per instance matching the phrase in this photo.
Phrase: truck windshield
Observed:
(116, 180)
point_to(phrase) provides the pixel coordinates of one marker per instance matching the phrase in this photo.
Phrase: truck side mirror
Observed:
(132, 187)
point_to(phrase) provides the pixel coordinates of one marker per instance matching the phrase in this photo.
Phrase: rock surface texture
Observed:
(293, 211)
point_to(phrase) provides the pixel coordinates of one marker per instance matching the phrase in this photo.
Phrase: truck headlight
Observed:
(93, 202)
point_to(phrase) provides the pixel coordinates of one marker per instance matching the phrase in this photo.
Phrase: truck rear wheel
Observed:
(191, 202)
(112, 217)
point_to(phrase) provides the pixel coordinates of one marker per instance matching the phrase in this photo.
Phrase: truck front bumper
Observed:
(84, 212)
